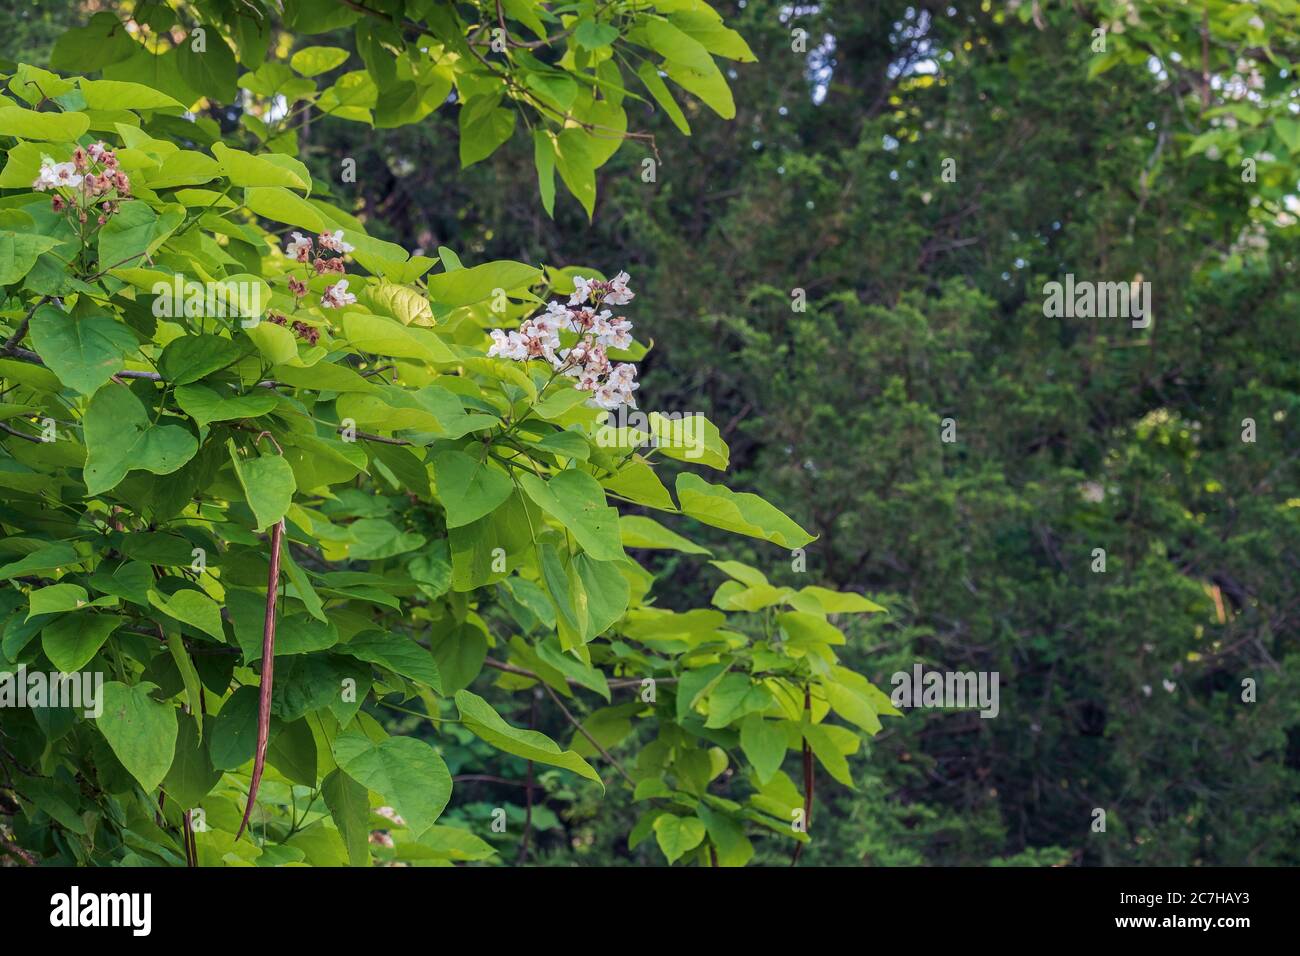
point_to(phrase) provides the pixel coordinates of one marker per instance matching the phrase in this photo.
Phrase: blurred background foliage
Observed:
(1120, 690)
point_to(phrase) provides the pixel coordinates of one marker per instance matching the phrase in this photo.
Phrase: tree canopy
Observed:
(323, 380)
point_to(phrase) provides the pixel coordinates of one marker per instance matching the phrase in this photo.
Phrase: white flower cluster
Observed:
(302, 249)
(597, 329)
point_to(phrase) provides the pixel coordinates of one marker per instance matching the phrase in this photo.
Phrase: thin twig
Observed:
(12, 342)
(17, 434)
(590, 739)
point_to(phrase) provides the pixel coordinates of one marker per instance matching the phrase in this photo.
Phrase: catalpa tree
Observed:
(267, 478)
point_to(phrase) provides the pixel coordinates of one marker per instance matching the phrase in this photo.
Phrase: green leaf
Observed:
(399, 654)
(672, 44)
(827, 751)
(83, 352)
(102, 41)
(727, 835)
(638, 531)
(764, 744)
(649, 75)
(293, 753)
(141, 731)
(851, 706)
(280, 205)
(452, 843)
(56, 598)
(120, 438)
(484, 126)
(544, 160)
(406, 771)
(485, 723)
(18, 253)
(124, 95)
(568, 594)
(709, 85)
(315, 60)
(1289, 132)
(71, 641)
(736, 696)
(593, 35)
(461, 287)
(803, 627)
(741, 512)
(268, 485)
(211, 70)
(192, 776)
(607, 593)
(205, 405)
(692, 438)
(245, 169)
(402, 303)
(677, 836)
(232, 740)
(376, 538)
(459, 653)
(49, 127)
(577, 167)
(51, 557)
(577, 501)
(377, 333)
(467, 487)
(638, 482)
(193, 608)
(840, 602)
(190, 677)
(349, 806)
(190, 357)
(135, 232)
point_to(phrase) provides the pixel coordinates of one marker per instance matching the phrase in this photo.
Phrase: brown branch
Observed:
(268, 669)
(12, 342)
(17, 434)
(378, 438)
(485, 778)
(27, 355)
(590, 739)
(522, 672)
(17, 852)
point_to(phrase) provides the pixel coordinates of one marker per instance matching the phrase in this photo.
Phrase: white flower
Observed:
(587, 362)
(619, 293)
(611, 332)
(548, 326)
(617, 389)
(624, 374)
(581, 290)
(337, 296)
(508, 345)
(299, 247)
(334, 242)
(56, 174)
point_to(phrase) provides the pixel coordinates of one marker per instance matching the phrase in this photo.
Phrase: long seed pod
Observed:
(268, 668)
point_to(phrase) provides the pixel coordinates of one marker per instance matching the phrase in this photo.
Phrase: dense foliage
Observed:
(924, 302)
(270, 487)
(911, 174)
